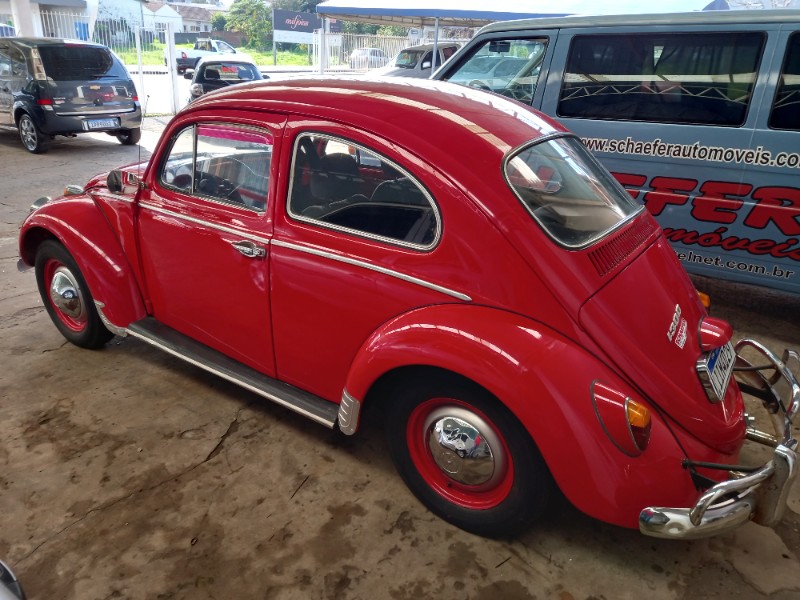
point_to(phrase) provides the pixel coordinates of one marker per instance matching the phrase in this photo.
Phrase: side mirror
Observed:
(188, 74)
(120, 182)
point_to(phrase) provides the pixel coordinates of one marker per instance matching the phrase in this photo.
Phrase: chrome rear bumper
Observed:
(760, 495)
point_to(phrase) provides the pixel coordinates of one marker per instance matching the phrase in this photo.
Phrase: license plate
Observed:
(90, 124)
(715, 369)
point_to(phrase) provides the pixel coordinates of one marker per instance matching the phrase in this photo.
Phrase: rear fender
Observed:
(545, 380)
(80, 226)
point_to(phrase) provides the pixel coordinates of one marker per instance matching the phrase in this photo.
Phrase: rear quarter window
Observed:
(696, 78)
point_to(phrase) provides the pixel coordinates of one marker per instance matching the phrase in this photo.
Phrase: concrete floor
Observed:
(125, 473)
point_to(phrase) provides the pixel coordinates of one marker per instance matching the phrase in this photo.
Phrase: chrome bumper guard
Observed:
(759, 495)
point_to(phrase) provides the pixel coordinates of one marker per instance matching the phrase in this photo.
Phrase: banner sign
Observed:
(298, 27)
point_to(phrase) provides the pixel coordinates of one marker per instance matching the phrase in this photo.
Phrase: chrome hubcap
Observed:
(464, 447)
(66, 294)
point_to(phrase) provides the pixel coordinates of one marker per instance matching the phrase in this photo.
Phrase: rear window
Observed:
(76, 62)
(574, 199)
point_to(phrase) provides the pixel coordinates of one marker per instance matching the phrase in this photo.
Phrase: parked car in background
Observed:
(360, 269)
(367, 58)
(52, 87)
(216, 72)
(188, 58)
(417, 61)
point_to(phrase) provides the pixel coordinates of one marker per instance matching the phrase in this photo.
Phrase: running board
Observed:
(161, 336)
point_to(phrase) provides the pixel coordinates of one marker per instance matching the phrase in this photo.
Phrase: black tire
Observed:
(130, 137)
(31, 136)
(73, 311)
(497, 493)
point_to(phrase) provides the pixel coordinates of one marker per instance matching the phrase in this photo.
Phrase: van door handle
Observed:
(249, 249)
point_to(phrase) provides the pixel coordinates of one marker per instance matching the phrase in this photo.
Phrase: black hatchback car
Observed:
(52, 87)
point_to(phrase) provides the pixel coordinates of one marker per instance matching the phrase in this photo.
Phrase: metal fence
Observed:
(341, 48)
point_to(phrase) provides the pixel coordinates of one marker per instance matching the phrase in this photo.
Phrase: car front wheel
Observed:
(130, 137)
(466, 457)
(66, 297)
(30, 135)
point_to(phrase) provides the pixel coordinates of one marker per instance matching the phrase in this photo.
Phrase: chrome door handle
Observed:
(249, 249)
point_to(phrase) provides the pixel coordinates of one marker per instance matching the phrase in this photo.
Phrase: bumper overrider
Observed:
(759, 494)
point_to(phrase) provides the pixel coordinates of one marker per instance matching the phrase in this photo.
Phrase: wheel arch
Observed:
(102, 261)
(542, 378)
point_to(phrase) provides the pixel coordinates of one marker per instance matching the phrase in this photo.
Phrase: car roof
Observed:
(226, 58)
(715, 17)
(403, 110)
(32, 42)
(430, 46)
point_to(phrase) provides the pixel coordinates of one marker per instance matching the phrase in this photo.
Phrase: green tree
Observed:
(252, 18)
(218, 22)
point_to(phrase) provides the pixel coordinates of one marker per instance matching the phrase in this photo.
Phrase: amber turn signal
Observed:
(625, 421)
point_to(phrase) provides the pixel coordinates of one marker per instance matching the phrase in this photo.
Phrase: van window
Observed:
(509, 67)
(76, 62)
(786, 109)
(697, 78)
(564, 188)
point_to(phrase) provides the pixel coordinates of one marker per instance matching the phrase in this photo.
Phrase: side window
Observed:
(786, 108)
(221, 162)
(701, 79)
(337, 184)
(509, 67)
(18, 66)
(5, 63)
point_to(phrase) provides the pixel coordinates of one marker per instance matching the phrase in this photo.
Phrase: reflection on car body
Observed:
(480, 301)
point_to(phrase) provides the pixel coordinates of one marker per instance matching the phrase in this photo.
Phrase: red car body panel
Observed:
(495, 299)
(109, 273)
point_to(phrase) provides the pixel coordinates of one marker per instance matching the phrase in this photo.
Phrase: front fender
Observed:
(545, 379)
(81, 227)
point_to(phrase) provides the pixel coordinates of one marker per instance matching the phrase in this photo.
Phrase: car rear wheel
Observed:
(30, 135)
(466, 457)
(67, 298)
(129, 137)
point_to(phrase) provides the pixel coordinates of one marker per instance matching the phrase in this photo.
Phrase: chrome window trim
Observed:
(366, 265)
(316, 222)
(514, 152)
(193, 193)
(203, 222)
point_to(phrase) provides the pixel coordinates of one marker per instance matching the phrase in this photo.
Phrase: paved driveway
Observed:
(125, 473)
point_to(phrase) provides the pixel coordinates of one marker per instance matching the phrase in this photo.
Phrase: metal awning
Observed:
(421, 13)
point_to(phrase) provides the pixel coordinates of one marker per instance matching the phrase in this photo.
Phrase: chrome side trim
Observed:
(107, 194)
(204, 223)
(172, 342)
(120, 331)
(365, 265)
(349, 409)
(120, 111)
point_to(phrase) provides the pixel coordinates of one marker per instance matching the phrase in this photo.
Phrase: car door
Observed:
(354, 235)
(205, 227)
(13, 76)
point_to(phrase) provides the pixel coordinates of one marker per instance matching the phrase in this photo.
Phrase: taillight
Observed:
(183, 55)
(135, 98)
(626, 421)
(714, 333)
(44, 102)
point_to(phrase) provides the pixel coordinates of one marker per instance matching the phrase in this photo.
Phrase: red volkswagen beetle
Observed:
(451, 258)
